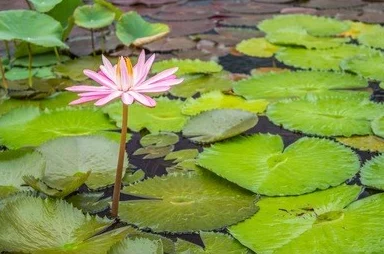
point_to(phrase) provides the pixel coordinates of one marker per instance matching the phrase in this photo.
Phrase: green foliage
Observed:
(369, 143)
(137, 245)
(372, 37)
(93, 16)
(182, 155)
(370, 67)
(92, 202)
(159, 139)
(257, 47)
(378, 126)
(44, 5)
(260, 163)
(154, 152)
(187, 66)
(372, 173)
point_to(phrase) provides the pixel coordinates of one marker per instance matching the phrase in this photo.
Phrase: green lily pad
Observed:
(372, 173)
(321, 59)
(133, 176)
(378, 126)
(314, 25)
(14, 164)
(133, 29)
(92, 202)
(373, 36)
(213, 243)
(220, 124)
(166, 116)
(45, 73)
(154, 152)
(186, 203)
(44, 5)
(321, 222)
(63, 12)
(218, 100)
(118, 12)
(187, 66)
(184, 166)
(200, 83)
(300, 37)
(32, 127)
(40, 60)
(93, 16)
(369, 143)
(296, 84)
(260, 163)
(182, 155)
(42, 29)
(67, 156)
(31, 224)
(326, 115)
(159, 139)
(257, 47)
(369, 67)
(137, 245)
(17, 73)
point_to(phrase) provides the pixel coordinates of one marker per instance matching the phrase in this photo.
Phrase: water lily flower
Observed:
(124, 81)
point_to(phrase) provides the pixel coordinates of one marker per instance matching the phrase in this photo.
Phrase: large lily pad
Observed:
(93, 16)
(378, 126)
(44, 5)
(215, 125)
(42, 29)
(326, 115)
(218, 100)
(67, 156)
(187, 66)
(320, 222)
(186, 203)
(321, 59)
(14, 164)
(314, 25)
(296, 84)
(257, 47)
(34, 225)
(32, 127)
(261, 164)
(372, 36)
(372, 173)
(137, 245)
(133, 29)
(166, 116)
(201, 83)
(370, 67)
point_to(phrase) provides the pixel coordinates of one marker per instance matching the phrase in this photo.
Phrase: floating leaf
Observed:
(32, 127)
(326, 115)
(17, 73)
(220, 124)
(154, 152)
(187, 66)
(63, 12)
(44, 5)
(213, 243)
(300, 37)
(314, 25)
(370, 67)
(373, 36)
(257, 47)
(186, 203)
(133, 176)
(159, 139)
(296, 84)
(321, 59)
(118, 12)
(31, 224)
(42, 29)
(14, 164)
(218, 100)
(319, 222)
(45, 73)
(378, 126)
(93, 16)
(92, 202)
(69, 155)
(137, 245)
(372, 173)
(364, 143)
(261, 164)
(40, 60)
(182, 155)
(200, 83)
(133, 29)
(166, 116)
(184, 166)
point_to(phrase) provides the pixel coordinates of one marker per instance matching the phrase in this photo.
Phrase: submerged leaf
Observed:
(261, 164)
(326, 115)
(372, 173)
(154, 152)
(320, 222)
(186, 203)
(187, 66)
(218, 100)
(257, 47)
(182, 155)
(297, 84)
(215, 125)
(159, 139)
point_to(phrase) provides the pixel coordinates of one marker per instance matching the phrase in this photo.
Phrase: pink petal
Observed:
(87, 89)
(85, 99)
(110, 75)
(127, 98)
(152, 89)
(147, 66)
(108, 98)
(101, 79)
(162, 75)
(124, 76)
(170, 82)
(138, 69)
(107, 64)
(143, 99)
(102, 94)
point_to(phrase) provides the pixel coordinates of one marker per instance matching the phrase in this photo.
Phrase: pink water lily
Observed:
(124, 81)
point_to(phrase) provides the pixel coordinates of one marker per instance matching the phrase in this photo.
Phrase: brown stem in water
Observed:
(120, 163)
(5, 82)
(29, 65)
(93, 43)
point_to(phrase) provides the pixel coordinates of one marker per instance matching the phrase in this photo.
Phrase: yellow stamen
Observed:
(129, 66)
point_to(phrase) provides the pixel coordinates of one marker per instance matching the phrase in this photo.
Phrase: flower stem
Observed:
(120, 163)
(93, 43)
(5, 83)
(7, 49)
(29, 65)
(57, 55)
